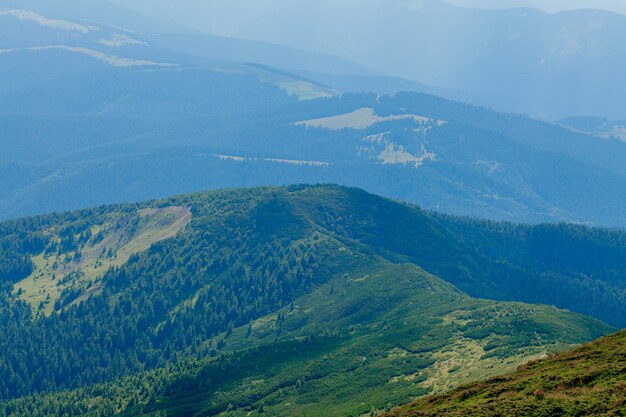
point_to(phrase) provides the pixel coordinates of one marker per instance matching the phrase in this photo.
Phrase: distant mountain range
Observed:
(125, 115)
(519, 60)
(291, 301)
(117, 37)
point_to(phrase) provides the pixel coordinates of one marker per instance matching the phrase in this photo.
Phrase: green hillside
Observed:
(584, 382)
(290, 300)
(362, 341)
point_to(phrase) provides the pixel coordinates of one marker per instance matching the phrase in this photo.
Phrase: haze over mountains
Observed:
(92, 129)
(525, 61)
(40, 26)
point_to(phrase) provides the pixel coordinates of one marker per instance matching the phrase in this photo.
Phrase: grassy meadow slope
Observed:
(586, 381)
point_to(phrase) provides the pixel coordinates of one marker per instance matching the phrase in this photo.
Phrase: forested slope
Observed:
(376, 336)
(95, 295)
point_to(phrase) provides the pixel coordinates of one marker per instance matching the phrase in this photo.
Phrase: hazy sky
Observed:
(254, 7)
(227, 17)
(547, 5)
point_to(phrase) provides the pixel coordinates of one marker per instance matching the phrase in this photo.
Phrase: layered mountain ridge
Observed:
(92, 130)
(521, 60)
(178, 261)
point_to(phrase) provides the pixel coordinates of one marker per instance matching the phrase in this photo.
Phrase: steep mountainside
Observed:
(587, 381)
(284, 299)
